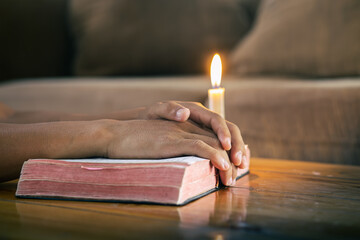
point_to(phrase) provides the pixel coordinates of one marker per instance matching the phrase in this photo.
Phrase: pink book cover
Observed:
(174, 181)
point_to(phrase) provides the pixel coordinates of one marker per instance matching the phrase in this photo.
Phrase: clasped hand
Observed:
(179, 128)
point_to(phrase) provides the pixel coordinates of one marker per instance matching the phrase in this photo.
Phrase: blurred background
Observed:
(80, 37)
(291, 67)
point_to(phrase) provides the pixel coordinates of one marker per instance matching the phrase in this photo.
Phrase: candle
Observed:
(216, 94)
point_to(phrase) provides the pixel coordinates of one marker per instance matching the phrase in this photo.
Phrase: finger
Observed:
(201, 149)
(234, 173)
(210, 140)
(237, 153)
(248, 152)
(169, 110)
(202, 115)
(192, 127)
(214, 142)
(246, 161)
(226, 176)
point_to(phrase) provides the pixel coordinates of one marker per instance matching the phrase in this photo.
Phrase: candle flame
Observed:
(215, 71)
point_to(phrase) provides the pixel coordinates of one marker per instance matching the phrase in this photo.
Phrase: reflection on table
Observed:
(279, 199)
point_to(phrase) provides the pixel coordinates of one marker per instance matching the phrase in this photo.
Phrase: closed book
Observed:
(174, 181)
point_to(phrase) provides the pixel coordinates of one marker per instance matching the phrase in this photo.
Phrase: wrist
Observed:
(81, 139)
(102, 135)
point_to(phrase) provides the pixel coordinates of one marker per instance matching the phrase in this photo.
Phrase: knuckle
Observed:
(217, 117)
(167, 138)
(157, 104)
(151, 113)
(170, 106)
(233, 127)
(196, 103)
(197, 143)
(154, 108)
(214, 155)
(200, 104)
(214, 142)
(230, 124)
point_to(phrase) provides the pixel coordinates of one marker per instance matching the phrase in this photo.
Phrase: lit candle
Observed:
(216, 94)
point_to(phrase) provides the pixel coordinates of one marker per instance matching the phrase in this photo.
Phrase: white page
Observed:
(186, 159)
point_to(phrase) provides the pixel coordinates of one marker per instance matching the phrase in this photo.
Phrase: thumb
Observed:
(170, 111)
(182, 114)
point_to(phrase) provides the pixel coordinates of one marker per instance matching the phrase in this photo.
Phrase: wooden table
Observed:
(278, 200)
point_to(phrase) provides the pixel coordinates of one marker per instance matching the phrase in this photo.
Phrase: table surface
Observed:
(279, 199)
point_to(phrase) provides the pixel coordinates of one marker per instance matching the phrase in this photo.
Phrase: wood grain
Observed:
(279, 200)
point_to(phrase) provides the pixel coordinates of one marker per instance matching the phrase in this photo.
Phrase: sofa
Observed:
(298, 103)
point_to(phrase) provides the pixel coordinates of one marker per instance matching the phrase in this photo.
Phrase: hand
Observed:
(162, 139)
(227, 132)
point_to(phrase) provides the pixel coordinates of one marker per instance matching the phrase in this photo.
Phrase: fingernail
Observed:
(180, 113)
(234, 182)
(239, 157)
(246, 146)
(225, 164)
(228, 142)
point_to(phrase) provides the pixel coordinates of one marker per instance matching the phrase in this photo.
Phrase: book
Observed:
(174, 181)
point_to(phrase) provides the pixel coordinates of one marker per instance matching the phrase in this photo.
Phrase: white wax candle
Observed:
(216, 94)
(217, 101)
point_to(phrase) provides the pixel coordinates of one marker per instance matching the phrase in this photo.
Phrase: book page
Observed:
(186, 159)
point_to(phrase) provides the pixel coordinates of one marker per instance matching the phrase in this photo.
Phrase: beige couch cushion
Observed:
(279, 118)
(307, 37)
(305, 120)
(120, 37)
(99, 95)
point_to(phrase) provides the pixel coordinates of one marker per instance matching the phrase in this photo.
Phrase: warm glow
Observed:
(215, 71)
(219, 237)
